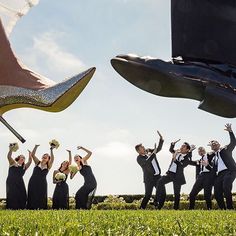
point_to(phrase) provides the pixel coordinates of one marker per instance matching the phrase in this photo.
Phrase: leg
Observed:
(156, 186)
(228, 180)
(197, 187)
(203, 29)
(218, 191)
(207, 186)
(80, 198)
(177, 189)
(161, 190)
(148, 194)
(14, 74)
(90, 198)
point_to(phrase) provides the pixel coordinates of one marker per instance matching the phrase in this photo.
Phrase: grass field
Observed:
(72, 222)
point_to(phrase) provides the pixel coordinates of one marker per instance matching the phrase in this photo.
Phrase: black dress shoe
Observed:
(211, 83)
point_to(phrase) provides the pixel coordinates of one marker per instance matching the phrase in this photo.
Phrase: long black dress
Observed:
(16, 192)
(37, 189)
(60, 199)
(85, 194)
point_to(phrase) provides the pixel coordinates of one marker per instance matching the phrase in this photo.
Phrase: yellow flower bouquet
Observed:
(73, 168)
(60, 176)
(55, 143)
(14, 146)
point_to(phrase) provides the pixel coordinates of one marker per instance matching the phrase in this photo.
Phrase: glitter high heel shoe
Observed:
(20, 87)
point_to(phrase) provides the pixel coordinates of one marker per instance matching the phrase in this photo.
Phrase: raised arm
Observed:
(172, 145)
(143, 162)
(35, 159)
(51, 157)
(27, 165)
(72, 174)
(232, 144)
(89, 153)
(9, 156)
(161, 141)
(70, 156)
(188, 158)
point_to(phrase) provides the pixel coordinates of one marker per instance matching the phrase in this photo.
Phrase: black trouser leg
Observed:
(204, 29)
(161, 190)
(177, 189)
(207, 186)
(148, 193)
(228, 180)
(197, 187)
(157, 178)
(218, 191)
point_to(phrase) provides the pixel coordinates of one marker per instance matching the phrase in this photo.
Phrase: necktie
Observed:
(202, 166)
(216, 161)
(178, 159)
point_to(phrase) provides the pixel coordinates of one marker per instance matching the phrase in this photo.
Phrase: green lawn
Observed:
(94, 222)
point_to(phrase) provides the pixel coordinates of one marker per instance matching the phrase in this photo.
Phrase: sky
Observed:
(59, 39)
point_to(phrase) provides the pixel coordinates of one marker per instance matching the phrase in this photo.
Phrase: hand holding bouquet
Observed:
(54, 144)
(60, 176)
(14, 147)
(73, 168)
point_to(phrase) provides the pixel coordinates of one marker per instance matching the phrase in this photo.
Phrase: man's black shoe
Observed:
(211, 83)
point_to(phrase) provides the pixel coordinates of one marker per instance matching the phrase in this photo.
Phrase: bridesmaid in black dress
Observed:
(85, 194)
(16, 192)
(60, 199)
(37, 187)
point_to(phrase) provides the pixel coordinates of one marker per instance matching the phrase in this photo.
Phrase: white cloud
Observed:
(56, 56)
(48, 56)
(115, 150)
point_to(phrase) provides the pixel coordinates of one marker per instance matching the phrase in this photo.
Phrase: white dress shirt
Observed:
(203, 169)
(173, 165)
(154, 164)
(219, 163)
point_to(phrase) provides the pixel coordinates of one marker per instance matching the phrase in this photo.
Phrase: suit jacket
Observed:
(209, 166)
(179, 175)
(146, 164)
(226, 153)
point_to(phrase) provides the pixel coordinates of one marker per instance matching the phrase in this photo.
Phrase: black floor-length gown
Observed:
(60, 199)
(16, 192)
(85, 194)
(37, 189)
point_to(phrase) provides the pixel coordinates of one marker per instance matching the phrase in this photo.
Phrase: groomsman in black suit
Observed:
(225, 169)
(181, 158)
(150, 167)
(205, 179)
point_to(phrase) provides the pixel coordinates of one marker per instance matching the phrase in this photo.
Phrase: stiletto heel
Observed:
(12, 130)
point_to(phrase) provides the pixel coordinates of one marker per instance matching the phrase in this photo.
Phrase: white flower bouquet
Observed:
(60, 176)
(73, 168)
(55, 143)
(14, 147)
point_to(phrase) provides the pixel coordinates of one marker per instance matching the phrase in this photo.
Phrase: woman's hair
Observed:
(18, 158)
(49, 157)
(77, 155)
(62, 164)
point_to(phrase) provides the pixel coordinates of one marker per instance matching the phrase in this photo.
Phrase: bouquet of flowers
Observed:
(73, 168)
(60, 176)
(55, 143)
(14, 146)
